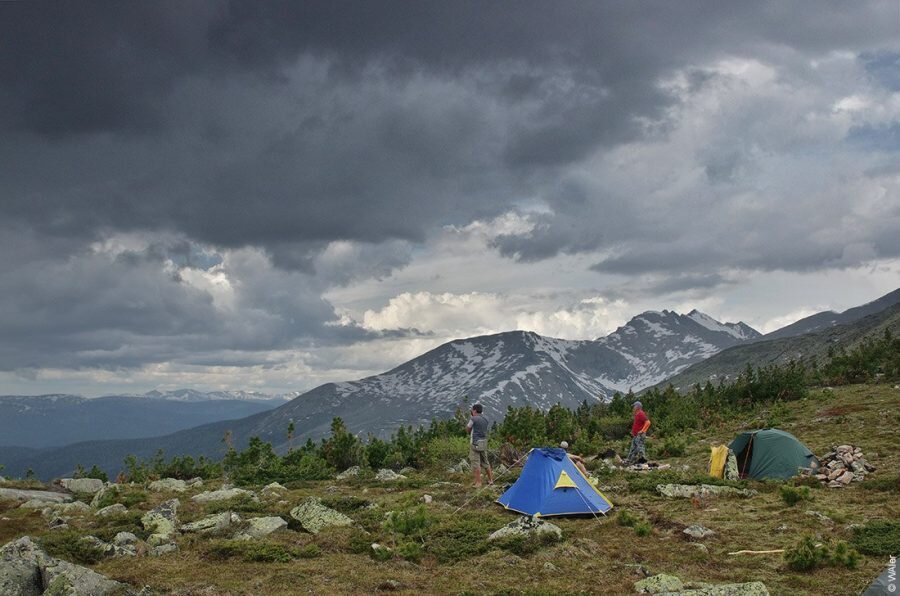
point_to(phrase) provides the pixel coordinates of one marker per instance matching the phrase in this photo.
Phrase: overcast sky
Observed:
(273, 195)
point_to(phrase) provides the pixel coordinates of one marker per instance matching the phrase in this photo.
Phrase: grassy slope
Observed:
(596, 556)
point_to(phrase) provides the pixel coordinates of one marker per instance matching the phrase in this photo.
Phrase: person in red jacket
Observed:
(638, 435)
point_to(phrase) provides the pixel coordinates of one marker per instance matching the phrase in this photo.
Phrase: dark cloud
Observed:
(257, 134)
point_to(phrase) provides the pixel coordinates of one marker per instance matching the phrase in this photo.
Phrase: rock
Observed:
(194, 482)
(745, 589)
(500, 470)
(212, 523)
(843, 448)
(407, 470)
(16, 494)
(845, 478)
(273, 490)
(380, 547)
(125, 539)
(101, 494)
(385, 475)
(168, 485)
(117, 509)
(258, 527)
(73, 508)
(163, 549)
(548, 566)
(700, 546)
(36, 504)
(658, 584)
(351, 472)
(427, 499)
(222, 495)
(698, 532)
(821, 517)
(462, 466)
(689, 491)
(161, 522)
(314, 516)
(82, 485)
(26, 569)
(527, 526)
(390, 585)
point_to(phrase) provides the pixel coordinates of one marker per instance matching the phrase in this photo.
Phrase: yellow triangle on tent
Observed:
(565, 481)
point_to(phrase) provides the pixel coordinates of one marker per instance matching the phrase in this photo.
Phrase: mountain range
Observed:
(511, 368)
(53, 420)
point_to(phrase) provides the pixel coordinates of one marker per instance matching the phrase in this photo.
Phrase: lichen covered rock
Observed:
(161, 522)
(314, 516)
(527, 526)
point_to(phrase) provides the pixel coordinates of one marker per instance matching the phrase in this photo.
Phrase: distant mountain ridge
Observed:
(512, 368)
(49, 420)
(806, 348)
(826, 319)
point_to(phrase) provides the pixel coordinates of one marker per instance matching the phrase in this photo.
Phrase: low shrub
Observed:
(70, 545)
(244, 504)
(643, 528)
(345, 504)
(879, 538)
(411, 551)
(673, 446)
(409, 522)
(884, 484)
(261, 552)
(460, 538)
(627, 518)
(806, 555)
(792, 495)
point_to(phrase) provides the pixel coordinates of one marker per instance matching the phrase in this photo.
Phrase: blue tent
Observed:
(550, 484)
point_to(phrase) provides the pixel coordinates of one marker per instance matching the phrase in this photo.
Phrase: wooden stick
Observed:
(757, 552)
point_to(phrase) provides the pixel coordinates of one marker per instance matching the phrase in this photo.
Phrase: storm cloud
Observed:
(200, 182)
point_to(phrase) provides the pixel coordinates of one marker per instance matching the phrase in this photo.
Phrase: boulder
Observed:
(125, 539)
(163, 549)
(427, 499)
(82, 485)
(161, 522)
(117, 509)
(845, 478)
(194, 482)
(73, 508)
(698, 532)
(36, 504)
(385, 475)
(26, 569)
(527, 526)
(314, 516)
(212, 523)
(273, 490)
(16, 494)
(659, 584)
(462, 466)
(168, 485)
(744, 589)
(351, 472)
(222, 495)
(407, 470)
(258, 527)
(689, 491)
(101, 494)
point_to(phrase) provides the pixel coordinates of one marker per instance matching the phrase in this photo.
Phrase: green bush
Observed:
(409, 522)
(346, 504)
(411, 551)
(643, 528)
(793, 495)
(443, 452)
(879, 538)
(884, 484)
(627, 518)
(673, 446)
(305, 467)
(262, 552)
(807, 556)
(526, 545)
(360, 542)
(381, 554)
(70, 545)
(460, 538)
(243, 503)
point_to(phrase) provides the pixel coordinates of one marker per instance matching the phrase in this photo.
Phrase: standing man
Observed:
(478, 430)
(638, 434)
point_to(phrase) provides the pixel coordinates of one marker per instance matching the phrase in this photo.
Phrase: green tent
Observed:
(771, 453)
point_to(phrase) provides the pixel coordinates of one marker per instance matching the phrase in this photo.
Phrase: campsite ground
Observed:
(596, 556)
